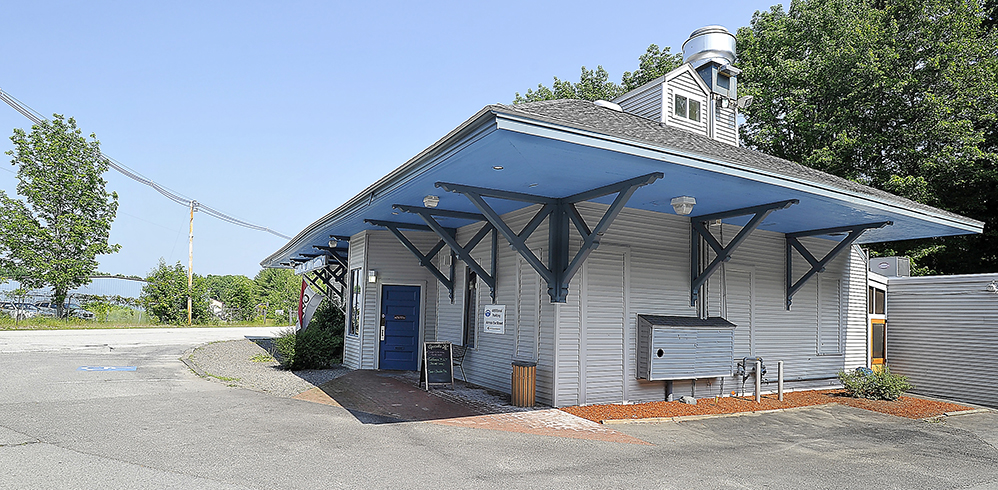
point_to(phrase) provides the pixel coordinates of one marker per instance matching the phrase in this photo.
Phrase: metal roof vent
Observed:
(711, 43)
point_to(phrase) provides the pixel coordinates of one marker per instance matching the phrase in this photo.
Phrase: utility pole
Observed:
(190, 267)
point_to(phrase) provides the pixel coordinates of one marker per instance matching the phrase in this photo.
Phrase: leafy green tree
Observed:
(596, 84)
(237, 293)
(277, 289)
(898, 94)
(651, 65)
(53, 236)
(329, 316)
(164, 296)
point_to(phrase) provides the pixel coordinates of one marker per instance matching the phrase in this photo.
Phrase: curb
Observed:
(957, 413)
(968, 412)
(188, 360)
(690, 418)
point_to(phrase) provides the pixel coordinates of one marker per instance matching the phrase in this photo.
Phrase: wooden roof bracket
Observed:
(855, 231)
(425, 260)
(699, 230)
(462, 252)
(559, 212)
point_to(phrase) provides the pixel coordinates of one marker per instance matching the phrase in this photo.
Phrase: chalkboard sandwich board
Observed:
(438, 362)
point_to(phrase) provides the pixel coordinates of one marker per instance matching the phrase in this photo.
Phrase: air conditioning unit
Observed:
(674, 347)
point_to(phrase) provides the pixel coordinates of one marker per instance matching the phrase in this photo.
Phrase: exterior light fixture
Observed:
(431, 201)
(497, 167)
(683, 205)
(372, 276)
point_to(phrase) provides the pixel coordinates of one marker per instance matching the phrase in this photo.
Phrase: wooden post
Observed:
(190, 269)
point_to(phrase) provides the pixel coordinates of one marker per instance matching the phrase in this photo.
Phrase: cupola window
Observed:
(687, 108)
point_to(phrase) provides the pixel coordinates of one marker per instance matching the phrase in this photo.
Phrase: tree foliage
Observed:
(898, 94)
(237, 293)
(596, 84)
(53, 236)
(277, 289)
(164, 296)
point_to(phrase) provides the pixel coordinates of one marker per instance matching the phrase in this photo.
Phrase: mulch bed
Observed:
(906, 406)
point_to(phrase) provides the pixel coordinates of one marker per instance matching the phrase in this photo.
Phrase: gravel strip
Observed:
(249, 364)
(232, 363)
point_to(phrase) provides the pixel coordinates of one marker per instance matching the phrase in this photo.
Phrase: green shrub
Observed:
(883, 385)
(314, 348)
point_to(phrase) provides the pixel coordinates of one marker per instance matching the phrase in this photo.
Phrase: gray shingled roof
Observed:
(585, 115)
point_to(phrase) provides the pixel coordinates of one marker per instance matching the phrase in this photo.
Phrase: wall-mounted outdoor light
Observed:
(372, 276)
(683, 205)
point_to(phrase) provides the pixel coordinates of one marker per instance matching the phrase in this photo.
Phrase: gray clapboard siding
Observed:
(684, 84)
(527, 311)
(395, 265)
(644, 101)
(659, 284)
(942, 333)
(352, 343)
(602, 326)
(726, 124)
(855, 331)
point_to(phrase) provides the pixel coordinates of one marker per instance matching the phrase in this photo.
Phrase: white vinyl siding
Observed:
(942, 333)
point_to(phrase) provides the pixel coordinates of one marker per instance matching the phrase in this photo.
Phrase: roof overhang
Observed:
(514, 152)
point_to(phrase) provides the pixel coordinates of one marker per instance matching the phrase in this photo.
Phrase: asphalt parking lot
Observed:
(161, 426)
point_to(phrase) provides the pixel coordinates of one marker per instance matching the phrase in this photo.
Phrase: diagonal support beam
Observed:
(425, 260)
(818, 265)
(698, 225)
(561, 214)
(463, 251)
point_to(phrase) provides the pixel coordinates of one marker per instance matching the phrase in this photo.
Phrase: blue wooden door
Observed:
(399, 328)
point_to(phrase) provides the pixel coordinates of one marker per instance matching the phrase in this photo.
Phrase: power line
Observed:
(178, 198)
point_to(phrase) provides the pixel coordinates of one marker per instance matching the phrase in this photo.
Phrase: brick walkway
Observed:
(375, 397)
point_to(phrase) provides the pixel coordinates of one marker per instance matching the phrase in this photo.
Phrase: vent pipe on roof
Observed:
(608, 105)
(709, 43)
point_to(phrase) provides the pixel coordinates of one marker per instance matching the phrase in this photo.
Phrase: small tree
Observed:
(53, 236)
(279, 289)
(164, 296)
(235, 292)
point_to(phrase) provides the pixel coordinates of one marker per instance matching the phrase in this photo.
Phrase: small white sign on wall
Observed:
(495, 319)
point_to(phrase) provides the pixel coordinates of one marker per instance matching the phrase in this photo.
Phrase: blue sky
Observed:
(278, 112)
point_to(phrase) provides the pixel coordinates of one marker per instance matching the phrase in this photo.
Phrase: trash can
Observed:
(523, 383)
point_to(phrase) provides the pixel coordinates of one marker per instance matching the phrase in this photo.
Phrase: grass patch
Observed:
(262, 358)
(222, 378)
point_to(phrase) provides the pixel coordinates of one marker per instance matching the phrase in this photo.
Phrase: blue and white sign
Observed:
(106, 368)
(495, 319)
